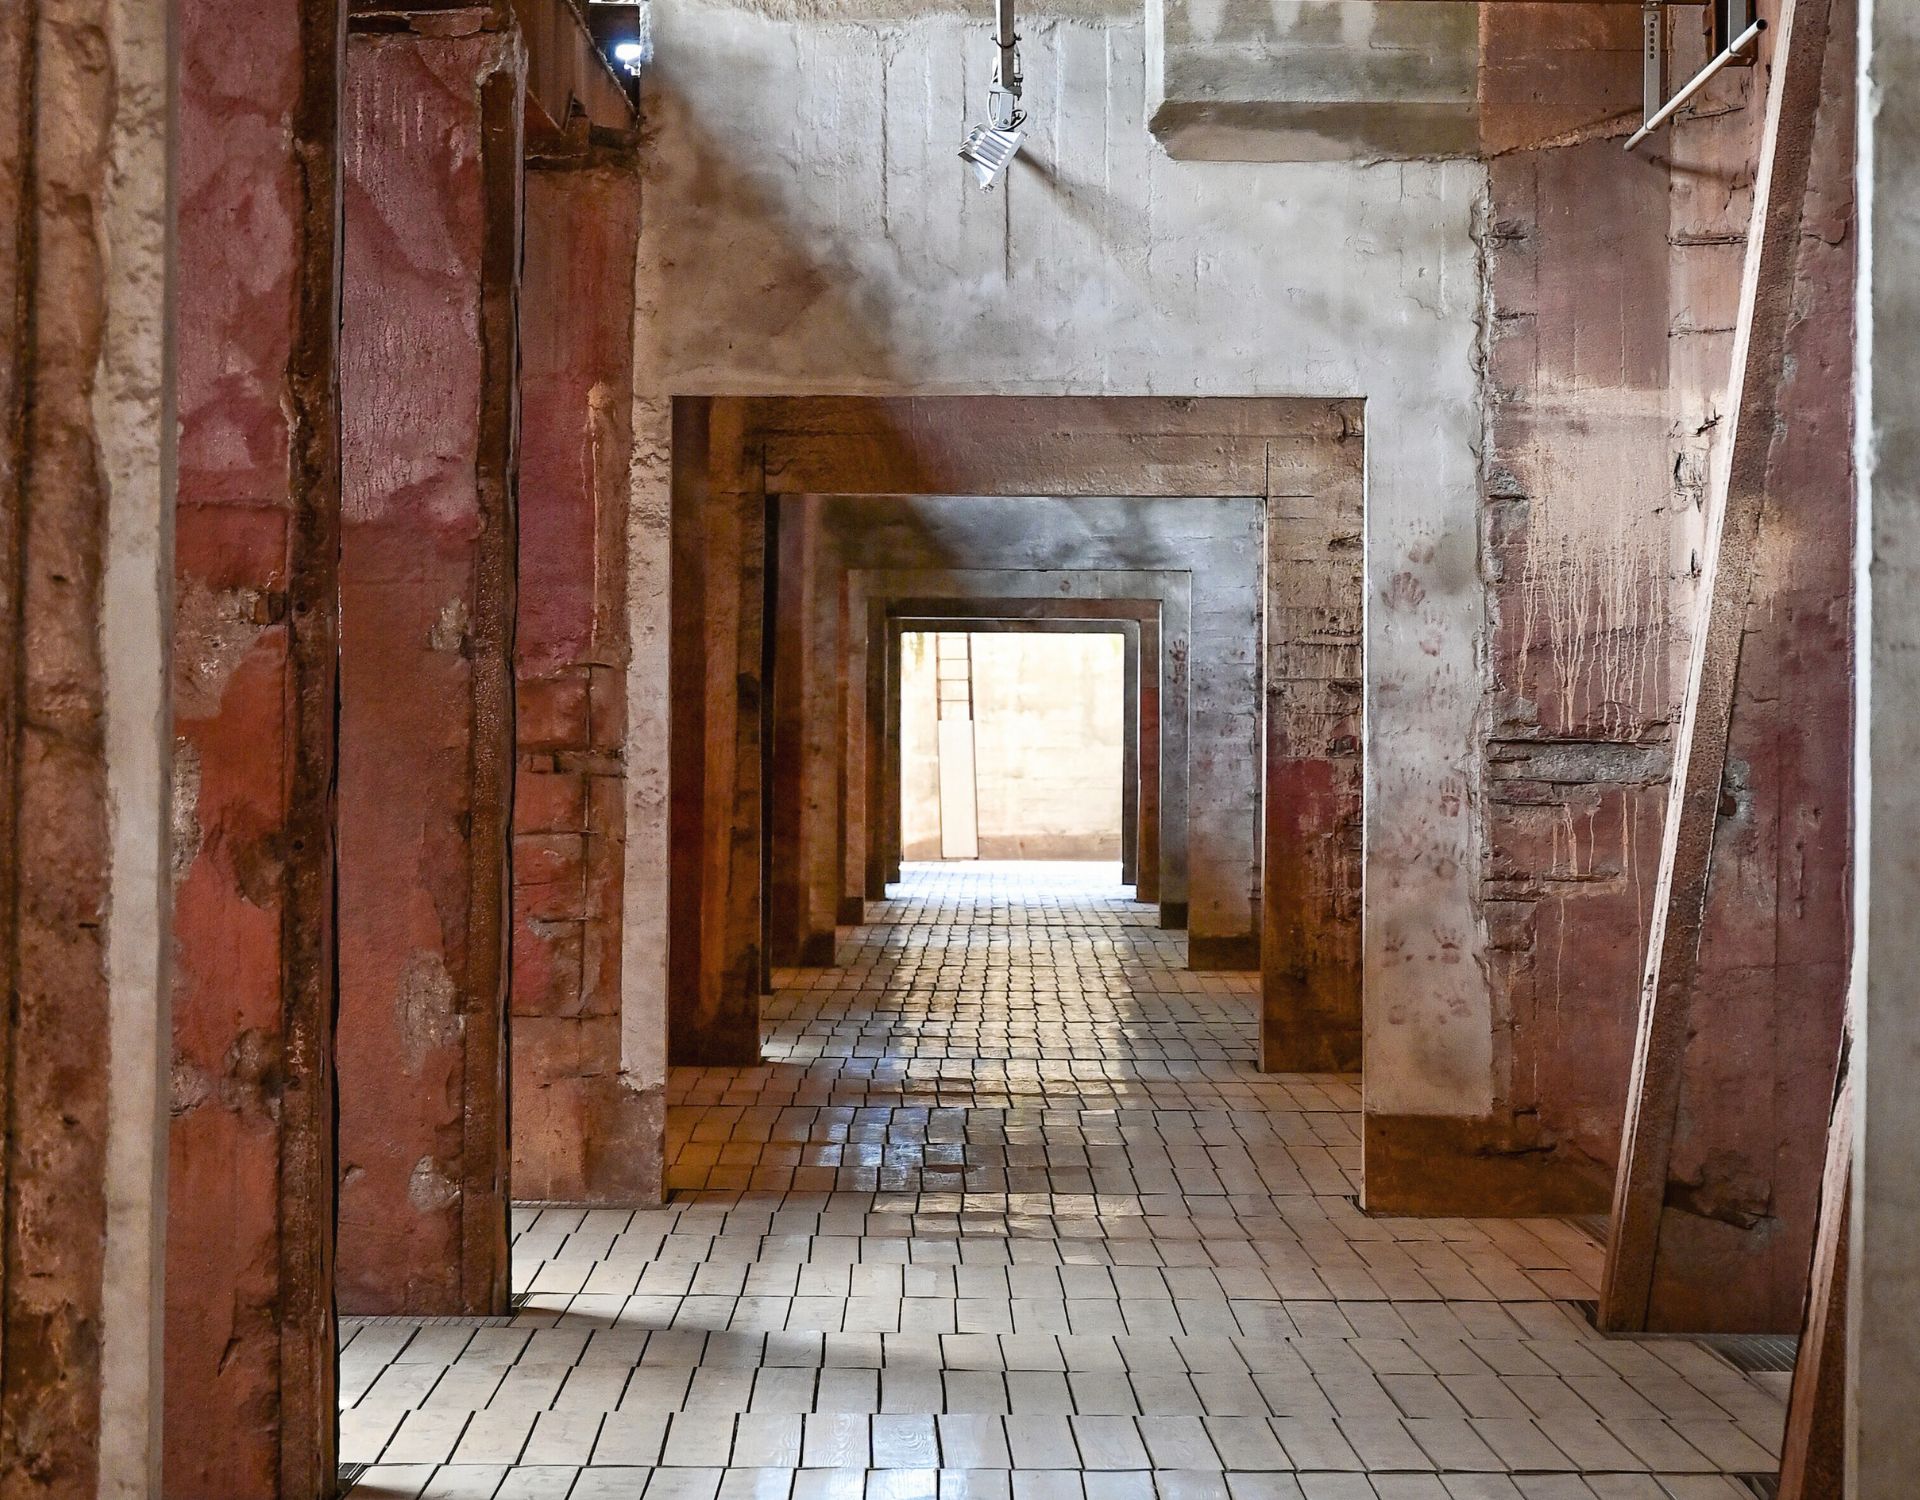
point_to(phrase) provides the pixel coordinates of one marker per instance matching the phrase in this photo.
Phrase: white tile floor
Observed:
(1009, 1214)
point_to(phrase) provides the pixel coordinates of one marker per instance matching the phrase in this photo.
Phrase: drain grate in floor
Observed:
(1766, 1486)
(350, 1475)
(1756, 1353)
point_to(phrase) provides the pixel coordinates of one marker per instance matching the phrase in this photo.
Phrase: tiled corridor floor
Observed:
(1008, 1213)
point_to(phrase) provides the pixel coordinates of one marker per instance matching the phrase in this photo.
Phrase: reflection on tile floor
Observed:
(1008, 1213)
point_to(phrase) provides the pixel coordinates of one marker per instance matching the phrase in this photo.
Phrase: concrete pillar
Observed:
(801, 878)
(86, 531)
(432, 139)
(581, 1131)
(1147, 875)
(1883, 1284)
(719, 608)
(1130, 758)
(1310, 886)
(249, 1339)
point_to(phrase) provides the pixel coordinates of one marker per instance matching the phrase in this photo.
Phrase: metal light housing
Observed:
(989, 150)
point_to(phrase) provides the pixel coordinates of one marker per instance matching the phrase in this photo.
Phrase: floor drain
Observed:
(1766, 1486)
(1756, 1353)
(350, 1475)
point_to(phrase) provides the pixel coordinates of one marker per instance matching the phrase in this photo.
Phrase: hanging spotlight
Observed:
(990, 147)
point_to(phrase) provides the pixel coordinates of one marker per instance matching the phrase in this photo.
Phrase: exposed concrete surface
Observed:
(1883, 1452)
(133, 424)
(797, 245)
(1302, 80)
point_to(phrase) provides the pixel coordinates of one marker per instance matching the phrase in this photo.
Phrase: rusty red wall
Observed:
(1613, 283)
(580, 1134)
(250, 1400)
(1579, 547)
(431, 136)
(1769, 1001)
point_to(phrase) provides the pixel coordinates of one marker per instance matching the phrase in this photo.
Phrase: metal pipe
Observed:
(1006, 71)
(1666, 111)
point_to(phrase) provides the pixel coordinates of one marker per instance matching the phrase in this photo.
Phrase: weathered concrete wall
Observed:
(795, 248)
(1612, 285)
(431, 130)
(1586, 557)
(581, 1132)
(1302, 80)
(86, 526)
(1883, 1361)
(1312, 639)
(249, 1339)
(1047, 725)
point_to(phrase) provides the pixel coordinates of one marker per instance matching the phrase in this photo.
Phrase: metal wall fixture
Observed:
(991, 147)
(1733, 19)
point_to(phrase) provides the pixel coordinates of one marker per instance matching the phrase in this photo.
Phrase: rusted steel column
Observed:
(432, 129)
(580, 1132)
(250, 1336)
(1737, 496)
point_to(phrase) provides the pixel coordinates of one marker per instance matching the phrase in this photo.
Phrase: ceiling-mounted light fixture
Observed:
(990, 147)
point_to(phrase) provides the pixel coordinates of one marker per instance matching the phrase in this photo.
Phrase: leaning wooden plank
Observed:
(1813, 1453)
(1735, 497)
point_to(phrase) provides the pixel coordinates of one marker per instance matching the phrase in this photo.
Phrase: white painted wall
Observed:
(807, 229)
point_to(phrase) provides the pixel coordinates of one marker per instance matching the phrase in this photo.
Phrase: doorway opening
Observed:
(1013, 746)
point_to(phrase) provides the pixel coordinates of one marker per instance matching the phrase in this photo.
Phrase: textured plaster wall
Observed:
(810, 231)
